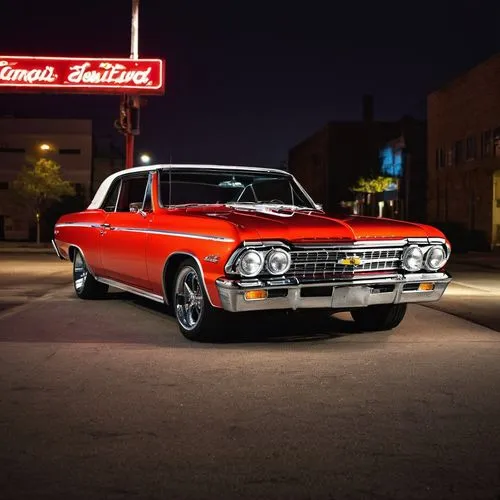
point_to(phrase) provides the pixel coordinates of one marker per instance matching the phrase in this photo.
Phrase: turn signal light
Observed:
(256, 295)
(426, 287)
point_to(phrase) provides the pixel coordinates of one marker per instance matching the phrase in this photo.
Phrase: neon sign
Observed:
(82, 75)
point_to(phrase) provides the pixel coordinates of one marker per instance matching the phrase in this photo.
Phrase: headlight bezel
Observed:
(233, 265)
(269, 256)
(238, 266)
(444, 259)
(404, 258)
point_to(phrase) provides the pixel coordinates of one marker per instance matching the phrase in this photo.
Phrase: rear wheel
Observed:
(198, 320)
(86, 286)
(379, 318)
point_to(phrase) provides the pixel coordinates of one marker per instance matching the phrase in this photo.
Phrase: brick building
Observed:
(331, 161)
(464, 156)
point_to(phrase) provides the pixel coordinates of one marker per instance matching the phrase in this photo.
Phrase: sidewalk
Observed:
(25, 247)
(487, 260)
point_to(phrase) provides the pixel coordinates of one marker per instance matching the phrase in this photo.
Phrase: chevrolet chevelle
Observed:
(210, 240)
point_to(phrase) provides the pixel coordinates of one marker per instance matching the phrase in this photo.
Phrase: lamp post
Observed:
(130, 104)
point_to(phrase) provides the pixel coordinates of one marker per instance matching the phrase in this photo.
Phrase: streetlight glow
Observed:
(45, 147)
(145, 158)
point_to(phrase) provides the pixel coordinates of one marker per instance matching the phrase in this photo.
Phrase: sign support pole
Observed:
(133, 101)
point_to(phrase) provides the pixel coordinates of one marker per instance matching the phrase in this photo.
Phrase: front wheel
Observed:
(197, 318)
(86, 286)
(379, 318)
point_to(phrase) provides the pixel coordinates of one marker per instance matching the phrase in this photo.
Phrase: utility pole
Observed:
(130, 104)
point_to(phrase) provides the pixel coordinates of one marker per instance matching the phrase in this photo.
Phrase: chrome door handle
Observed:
(106, 225)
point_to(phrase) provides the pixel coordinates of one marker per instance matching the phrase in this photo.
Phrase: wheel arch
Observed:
(170, 269)
(71, 254)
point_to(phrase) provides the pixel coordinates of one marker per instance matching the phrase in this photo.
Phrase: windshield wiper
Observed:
(278, 206)
(184, 205)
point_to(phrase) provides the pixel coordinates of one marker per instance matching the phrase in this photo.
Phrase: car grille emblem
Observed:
(354, 261)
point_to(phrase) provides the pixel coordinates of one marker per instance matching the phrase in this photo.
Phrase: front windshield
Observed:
(229, 187)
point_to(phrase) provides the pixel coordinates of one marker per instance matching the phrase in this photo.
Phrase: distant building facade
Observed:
(66, 141)
(464, 155)
(331, 161)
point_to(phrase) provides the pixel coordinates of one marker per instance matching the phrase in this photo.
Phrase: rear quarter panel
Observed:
(80, 229)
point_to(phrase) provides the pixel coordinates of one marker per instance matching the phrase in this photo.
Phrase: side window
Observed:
(132, 191)
(110, 200)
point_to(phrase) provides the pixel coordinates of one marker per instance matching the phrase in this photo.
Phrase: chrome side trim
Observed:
(57, 250)
(199, 266)
(77, 224)
(164, 232)
(131, 289)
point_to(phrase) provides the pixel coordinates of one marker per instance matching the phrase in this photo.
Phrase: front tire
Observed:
(86, 286)
(379, 318)
(196, 317)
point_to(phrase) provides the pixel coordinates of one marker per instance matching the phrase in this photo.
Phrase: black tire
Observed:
(199, 320)
(86, 286)
(379, 318)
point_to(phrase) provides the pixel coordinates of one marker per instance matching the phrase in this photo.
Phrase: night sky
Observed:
(248, 80)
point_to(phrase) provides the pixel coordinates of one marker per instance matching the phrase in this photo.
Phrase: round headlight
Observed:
(413, 258)
(435, 258)
(278, 261)
(250, 263)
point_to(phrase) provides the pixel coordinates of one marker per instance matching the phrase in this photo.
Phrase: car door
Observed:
(124, 233)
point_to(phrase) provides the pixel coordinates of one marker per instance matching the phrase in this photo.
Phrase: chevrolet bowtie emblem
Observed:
(351, 261)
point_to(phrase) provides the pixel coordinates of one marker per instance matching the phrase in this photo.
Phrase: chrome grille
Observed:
(316, 264)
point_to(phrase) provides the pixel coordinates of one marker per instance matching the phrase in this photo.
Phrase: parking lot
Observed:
(105, 399)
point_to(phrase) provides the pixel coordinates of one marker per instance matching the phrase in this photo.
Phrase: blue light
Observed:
(391, 162)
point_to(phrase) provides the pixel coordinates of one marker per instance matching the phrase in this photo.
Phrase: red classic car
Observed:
(212, 240)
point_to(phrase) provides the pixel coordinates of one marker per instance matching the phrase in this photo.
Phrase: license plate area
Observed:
(351, 296)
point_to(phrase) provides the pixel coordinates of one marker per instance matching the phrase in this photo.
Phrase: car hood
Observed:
(303, 226)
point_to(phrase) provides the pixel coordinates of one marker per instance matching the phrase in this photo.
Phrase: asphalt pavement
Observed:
(106, 400)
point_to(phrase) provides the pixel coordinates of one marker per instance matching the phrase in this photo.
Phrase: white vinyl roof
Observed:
(100, 194)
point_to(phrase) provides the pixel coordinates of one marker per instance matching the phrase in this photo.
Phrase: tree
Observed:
(40, 184)
(371, 186)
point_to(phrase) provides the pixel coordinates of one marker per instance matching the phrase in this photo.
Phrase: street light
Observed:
(145, 158)
(45, 147)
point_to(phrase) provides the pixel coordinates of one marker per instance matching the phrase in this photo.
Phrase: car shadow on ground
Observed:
(262, 326)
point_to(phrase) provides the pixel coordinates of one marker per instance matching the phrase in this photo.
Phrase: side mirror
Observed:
(135, 207)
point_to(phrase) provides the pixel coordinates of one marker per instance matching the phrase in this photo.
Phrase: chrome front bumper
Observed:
(344, 295)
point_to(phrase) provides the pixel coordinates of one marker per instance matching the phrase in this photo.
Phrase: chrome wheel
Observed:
(188, 298)
(80, 272)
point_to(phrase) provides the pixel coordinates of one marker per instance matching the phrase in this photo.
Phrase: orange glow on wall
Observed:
(82, 75)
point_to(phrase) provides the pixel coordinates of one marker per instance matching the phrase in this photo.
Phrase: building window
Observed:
(12, 150)
(449, 157)
(4, 185)
(440, 158)
(496, 142)
(69, 151)
(486, 144)
(459, 152)
(470, 148)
